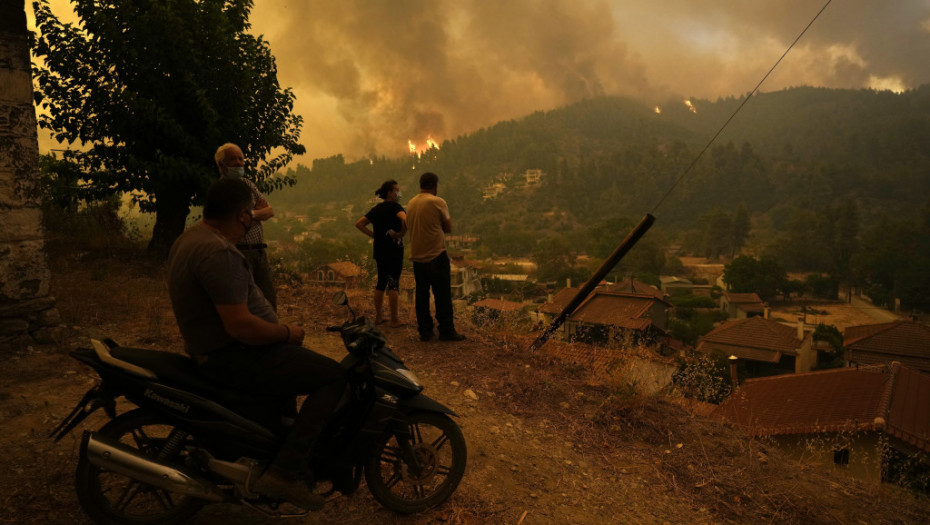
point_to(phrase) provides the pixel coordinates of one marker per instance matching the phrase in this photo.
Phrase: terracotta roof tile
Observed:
(897, 340)
(893, 399)
(825, 401)
(743, 298)
(753, 333)
(634, 287)
(625, 310)
(345, 268)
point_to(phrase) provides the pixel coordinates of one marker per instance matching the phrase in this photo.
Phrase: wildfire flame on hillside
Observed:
(691, 107)
(430, 144)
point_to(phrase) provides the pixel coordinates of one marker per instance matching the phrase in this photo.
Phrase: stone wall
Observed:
(27, 311)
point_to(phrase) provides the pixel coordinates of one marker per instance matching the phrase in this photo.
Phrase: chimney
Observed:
(765, 312)
(568, 282)
(734, 375)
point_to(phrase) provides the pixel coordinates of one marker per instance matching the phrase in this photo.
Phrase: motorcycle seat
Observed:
(180, 371)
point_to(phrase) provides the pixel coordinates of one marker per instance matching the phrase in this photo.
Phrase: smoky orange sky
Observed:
(369, 75)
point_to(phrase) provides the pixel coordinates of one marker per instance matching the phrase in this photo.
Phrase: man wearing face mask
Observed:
(231, 331)
(231, 163)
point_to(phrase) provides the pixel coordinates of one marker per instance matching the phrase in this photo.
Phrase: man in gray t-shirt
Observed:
(233, 334)
(206, 269)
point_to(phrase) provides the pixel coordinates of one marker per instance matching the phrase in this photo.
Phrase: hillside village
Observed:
(774, 370)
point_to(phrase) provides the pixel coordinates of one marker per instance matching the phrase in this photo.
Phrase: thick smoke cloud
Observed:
(399, 70)
(371, 74)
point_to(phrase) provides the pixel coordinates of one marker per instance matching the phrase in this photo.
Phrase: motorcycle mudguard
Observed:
(425, 403)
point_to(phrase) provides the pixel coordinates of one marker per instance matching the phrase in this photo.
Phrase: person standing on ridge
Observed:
(231, 163)
(389, 221)
(428, 221)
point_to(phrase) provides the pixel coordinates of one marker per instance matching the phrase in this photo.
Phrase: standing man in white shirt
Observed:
(428, 221)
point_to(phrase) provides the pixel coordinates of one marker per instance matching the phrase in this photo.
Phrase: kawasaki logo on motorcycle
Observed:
(170, 403)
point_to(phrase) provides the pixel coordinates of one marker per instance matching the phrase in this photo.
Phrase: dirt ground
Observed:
(548, 441)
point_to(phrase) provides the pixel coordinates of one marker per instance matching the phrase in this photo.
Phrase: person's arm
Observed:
(444, 216)
(250, 329)
(263, 211)
(402, 215)
(362, 226)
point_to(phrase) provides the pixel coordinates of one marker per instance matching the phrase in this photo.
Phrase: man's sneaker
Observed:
(426, 336)
(454, 336)
(276, 483)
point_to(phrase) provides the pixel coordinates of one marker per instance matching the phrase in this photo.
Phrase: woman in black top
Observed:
(390, 224)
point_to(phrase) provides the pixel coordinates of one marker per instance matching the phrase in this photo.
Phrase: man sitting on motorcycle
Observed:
(232, 332)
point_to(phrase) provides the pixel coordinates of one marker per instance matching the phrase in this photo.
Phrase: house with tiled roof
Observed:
(907, 342)
(742, 305)
(463, 276)
(864, 419)
(674, 285)
(342, 273)
(634, 286)
(607, 316)
(763, 346)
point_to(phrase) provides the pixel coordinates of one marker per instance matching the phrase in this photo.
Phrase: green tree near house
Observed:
(831, 336)
(149, 89)
(746, 274)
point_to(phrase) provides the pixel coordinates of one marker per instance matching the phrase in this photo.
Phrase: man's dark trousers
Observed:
(434, 275)
(283, 370)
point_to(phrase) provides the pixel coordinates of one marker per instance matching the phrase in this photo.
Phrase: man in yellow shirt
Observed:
(428, 221)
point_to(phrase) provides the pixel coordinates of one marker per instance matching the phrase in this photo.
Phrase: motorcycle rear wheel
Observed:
(114, 499)
(440, 449)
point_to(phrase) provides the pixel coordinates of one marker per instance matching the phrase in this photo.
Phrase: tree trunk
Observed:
(171, 210)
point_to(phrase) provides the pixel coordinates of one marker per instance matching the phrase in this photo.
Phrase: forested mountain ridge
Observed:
(620, 155)
(793, 161)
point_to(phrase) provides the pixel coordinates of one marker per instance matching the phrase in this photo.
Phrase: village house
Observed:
(907, 342)
(343, 273)
(633, 286)
(461, 242)
(742, 305)
(493, 190)
(609, 315)
(764, 347)
(533, 177)
(673, 285)
(867, 420)
(464, 277)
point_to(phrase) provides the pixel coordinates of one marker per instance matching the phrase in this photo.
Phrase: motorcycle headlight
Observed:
(410, 376)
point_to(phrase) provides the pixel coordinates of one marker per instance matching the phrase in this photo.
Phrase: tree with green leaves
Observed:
(746, 274)
(148, 89)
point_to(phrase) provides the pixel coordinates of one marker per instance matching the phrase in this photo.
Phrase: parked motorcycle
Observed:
(190, 443)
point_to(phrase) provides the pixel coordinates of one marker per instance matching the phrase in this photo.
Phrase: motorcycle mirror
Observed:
(340, 299)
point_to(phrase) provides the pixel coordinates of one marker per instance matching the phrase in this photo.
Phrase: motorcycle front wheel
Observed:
(115, 499)
(407, 486)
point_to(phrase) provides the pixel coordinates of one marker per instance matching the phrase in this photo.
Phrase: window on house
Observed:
(330, 276)
(841, 457)
(319, 275)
